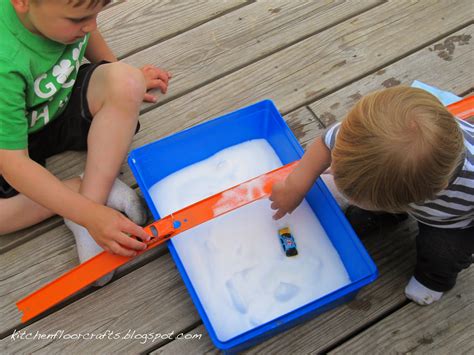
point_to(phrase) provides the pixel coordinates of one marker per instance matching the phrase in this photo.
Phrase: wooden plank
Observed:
(242, 37)
(153, 293)
(14, 239)
(133, 25)
(30, 265)
(432, 65)
(305, 125)
(445, 327)
(201, 345)
(217, 47)
(39, 261)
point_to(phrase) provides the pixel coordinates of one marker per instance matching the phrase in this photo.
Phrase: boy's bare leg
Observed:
(13, 216)
(115, 94)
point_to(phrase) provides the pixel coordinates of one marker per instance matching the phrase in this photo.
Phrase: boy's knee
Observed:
(127, 84)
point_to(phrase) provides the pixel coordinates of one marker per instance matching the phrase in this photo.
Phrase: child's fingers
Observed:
(274, 205)
(162, 75)
(117, 249)
(156, 73)
(131, 228)
(158, 84)
(130, 243)
(280, 213)
(149, 98)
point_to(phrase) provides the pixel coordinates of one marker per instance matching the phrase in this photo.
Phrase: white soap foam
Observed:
(235, 262)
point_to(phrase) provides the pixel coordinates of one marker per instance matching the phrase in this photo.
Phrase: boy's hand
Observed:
(111, 229)
(284, 199)
(155, 78)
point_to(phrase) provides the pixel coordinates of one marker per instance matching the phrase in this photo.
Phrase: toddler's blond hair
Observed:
(395, 147)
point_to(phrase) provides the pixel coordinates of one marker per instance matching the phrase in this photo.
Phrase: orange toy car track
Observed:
(464, 108)
(160, 231)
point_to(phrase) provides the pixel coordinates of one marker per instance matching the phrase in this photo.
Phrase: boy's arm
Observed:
(98, 50)
(286, 196)
(107, 226)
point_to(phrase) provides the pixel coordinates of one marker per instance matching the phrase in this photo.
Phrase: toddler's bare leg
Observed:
(14, 217)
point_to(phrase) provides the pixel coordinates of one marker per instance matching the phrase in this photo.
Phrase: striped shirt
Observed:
(452, 207)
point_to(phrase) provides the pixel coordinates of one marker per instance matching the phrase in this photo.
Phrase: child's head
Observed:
(63, 21)
(395, 147)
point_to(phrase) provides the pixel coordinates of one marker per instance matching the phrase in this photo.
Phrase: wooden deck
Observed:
(314, 59)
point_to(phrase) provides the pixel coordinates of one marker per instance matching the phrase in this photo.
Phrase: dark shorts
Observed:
(69, 131)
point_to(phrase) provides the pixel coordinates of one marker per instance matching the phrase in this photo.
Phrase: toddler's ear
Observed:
(21, 6)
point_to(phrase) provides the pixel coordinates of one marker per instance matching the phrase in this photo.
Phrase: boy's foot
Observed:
(420, 294)
(124, 199)
(87, 248)
(365, 222)
(121, 198)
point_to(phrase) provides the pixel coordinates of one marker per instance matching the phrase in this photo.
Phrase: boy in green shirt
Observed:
(49, 104)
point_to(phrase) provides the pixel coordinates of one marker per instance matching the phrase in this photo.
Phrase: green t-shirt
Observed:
(36, 78)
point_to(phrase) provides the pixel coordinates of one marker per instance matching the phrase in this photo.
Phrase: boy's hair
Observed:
(90, 3)
(395, 147)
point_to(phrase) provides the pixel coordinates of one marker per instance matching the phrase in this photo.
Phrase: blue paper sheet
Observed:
(445, 97)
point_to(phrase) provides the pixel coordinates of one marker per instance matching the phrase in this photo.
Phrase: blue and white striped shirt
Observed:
(452, 207)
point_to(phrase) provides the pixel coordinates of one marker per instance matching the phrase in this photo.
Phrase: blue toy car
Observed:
(287, 242)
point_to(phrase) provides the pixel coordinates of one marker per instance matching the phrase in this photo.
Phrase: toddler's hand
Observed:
(111, 231)
(155, 78)
(284, 199)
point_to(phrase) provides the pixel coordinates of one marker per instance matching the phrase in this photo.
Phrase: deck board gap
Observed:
(165, 100)
(165, 342)
(177, 33)
(83, 293)
(314, 115)
(366, 326)
(467, 92)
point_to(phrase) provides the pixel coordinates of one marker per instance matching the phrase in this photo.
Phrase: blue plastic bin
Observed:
(159, 159)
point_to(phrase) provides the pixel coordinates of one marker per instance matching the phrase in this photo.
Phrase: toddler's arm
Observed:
(108, 227)
(287, 195)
